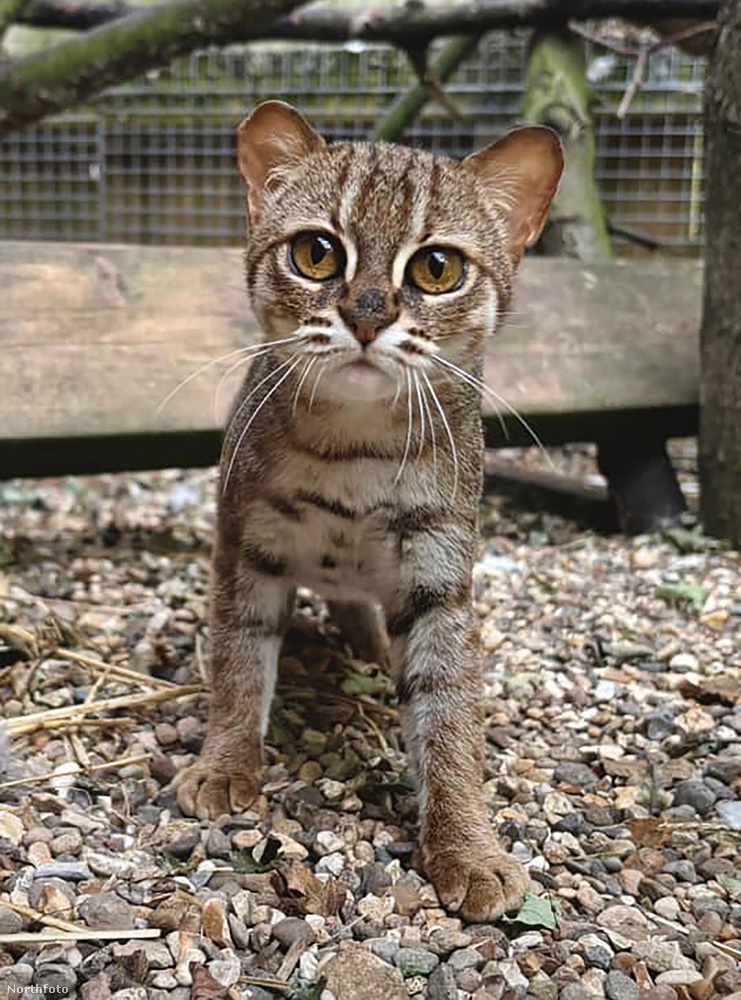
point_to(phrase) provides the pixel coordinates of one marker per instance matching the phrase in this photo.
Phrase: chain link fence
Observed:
(154, 162)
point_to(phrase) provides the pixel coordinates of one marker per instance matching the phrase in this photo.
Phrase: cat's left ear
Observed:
(269, 142)
(520, 173)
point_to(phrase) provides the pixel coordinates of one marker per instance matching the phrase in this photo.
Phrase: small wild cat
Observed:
(353, 459)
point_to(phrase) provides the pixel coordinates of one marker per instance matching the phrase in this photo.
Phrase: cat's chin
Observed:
(360, 382)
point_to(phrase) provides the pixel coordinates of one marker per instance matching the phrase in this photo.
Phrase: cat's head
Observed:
(380, 257)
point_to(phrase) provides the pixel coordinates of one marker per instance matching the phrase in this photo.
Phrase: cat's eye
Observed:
(436, 270)
(318, 256)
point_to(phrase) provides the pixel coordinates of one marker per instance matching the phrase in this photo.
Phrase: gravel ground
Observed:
(614, 731)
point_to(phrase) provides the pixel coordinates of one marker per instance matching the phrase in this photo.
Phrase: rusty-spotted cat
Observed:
(352, 462)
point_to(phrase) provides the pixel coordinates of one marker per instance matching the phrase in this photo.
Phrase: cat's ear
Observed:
(520, 173)
(269, 142)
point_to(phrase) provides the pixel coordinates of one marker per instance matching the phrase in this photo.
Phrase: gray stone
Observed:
(383, 948)
(618, 986)
(225, 970)
(183, 846)
(255, 993)
(730, 813)
(598, 956)
(725, 769)
(709, 904)
(695, 793)
(55, 980)
(10, 921)
(682, 869)
(415, 962)
(69, 871)
(98, 988)
(679, 977)
(37, 888)
(465, 958)
(106, 911)
(16, 975)
(356, 974)
(720, 790)
(239, 931)
(575, 991)
(573, 773)
(293, 929)
(218, 844)
(442, 985)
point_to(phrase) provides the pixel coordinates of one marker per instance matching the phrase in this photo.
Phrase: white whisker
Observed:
(304, 375)
(410, 423)
(249, 423)
(431, 423)
(321, 371)
(476, 383)
(228, 372)
(395, 400)
(446, 425)
(248, 397)
(217, 361)
(422, 427)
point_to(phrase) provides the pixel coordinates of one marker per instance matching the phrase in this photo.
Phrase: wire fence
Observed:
(154, 162)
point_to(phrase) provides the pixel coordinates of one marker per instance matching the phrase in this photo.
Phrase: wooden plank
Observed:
(94, 337)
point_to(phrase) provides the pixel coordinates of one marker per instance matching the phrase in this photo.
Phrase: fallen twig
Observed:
(112, 669)
(21, 730)
(107, 705)
(37, 779)
(79, 934)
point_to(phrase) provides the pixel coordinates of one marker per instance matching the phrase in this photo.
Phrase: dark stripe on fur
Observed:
(285, 508)
(263, 561)
(415, 519)
(424, 599)
(335, 507)
(351, 452)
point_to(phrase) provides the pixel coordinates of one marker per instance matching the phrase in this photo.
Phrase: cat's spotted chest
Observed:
(353, 459)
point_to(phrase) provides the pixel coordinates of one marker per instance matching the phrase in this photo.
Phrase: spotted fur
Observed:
(352, 462)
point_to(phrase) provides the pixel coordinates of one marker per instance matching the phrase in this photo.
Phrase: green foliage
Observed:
(687, 595)
(538, 911)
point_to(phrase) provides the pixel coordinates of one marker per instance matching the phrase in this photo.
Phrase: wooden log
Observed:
(95, 337)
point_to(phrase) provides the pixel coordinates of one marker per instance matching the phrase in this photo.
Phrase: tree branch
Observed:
(399, 25)
(134, 41)
(10, 11)
(408, 105)
(73, 71)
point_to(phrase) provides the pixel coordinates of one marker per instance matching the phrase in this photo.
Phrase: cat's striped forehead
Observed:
(381, 197)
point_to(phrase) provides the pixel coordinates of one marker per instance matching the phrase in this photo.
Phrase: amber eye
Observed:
(318, 256)
(436, 269)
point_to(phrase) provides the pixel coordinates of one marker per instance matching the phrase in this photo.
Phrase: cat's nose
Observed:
(368, 313)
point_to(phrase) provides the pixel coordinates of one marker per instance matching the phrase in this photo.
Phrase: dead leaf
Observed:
(408, 900)
(301, 892)
(651, 832)
(205, 987)
(722, 688)
(631, 768)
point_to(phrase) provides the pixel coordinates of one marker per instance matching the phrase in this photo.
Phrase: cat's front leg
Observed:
(434, 643)
(248, 617)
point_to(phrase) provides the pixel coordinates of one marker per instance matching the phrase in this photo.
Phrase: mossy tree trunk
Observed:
(720, 389)
(557, 94)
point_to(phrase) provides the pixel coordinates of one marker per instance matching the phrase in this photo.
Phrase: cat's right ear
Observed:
(520, 173)
(269, 142)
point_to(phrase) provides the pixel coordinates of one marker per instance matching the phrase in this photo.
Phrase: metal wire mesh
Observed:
(153, 162)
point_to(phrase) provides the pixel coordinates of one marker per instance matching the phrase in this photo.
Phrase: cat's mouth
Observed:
(361, 379)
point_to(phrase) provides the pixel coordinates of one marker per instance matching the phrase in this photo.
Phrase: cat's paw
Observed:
(480, 884)
(204, 791)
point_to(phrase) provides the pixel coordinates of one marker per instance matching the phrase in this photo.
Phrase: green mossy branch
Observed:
(74, 71)
(557, 94)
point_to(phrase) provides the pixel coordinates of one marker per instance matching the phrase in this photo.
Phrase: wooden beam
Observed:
(95, 337)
